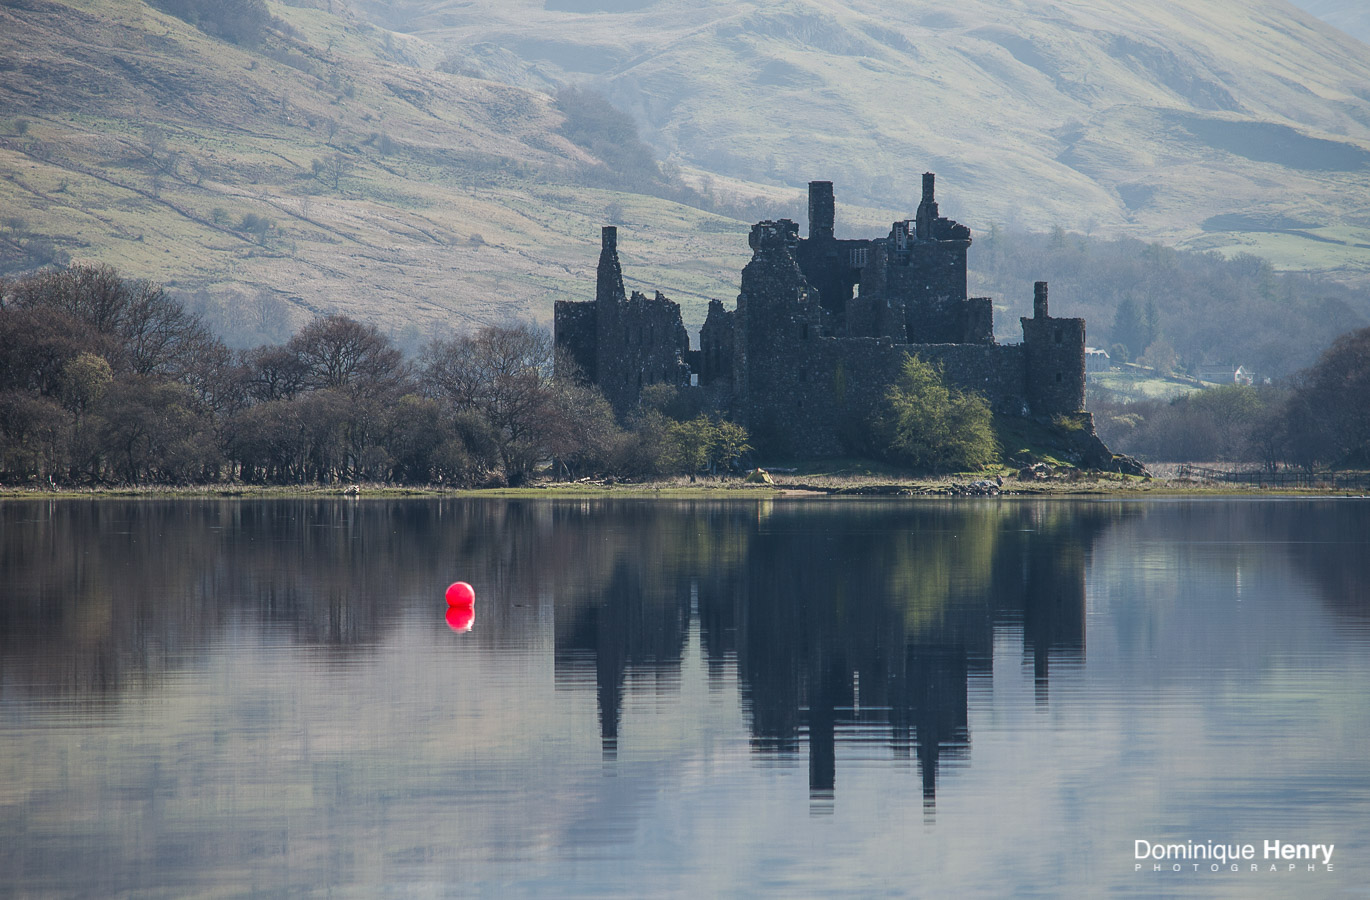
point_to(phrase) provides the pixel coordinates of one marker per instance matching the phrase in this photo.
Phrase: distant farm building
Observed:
(1226, 374)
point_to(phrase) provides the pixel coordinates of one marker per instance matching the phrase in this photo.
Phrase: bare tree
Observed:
(334, 168)
(338, 352)
(503, 374)
(272, 373)
(154, 142)
(148, 332)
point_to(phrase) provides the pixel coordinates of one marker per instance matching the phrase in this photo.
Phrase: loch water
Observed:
(694, 698)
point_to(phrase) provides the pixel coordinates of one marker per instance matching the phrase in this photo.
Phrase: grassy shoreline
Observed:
(785, 487)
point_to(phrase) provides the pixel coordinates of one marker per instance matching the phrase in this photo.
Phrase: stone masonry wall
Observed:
(623, 344)
(642, 341)
(716, 346)
(1055, 351)
(574, 326)
(821, 405)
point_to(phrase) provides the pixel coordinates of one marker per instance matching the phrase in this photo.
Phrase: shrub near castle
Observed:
(929, 426)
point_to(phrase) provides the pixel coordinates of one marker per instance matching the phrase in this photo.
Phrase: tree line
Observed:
(106, 380)
(1318, 418)
(1173, 309)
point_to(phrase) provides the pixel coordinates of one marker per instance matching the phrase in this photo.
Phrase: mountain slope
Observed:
(338, 166)
(1103, 115)
(321, 167)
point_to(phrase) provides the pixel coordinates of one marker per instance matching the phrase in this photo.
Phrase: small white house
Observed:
(1097, 360)
(1225, 374)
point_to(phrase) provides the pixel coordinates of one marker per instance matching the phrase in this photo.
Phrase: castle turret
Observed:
(619, 343)
(1055, 359)
(578, 326)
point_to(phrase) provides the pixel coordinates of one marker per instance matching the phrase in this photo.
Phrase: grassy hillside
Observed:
(320, 167)
(1104, 116)
(421, 180)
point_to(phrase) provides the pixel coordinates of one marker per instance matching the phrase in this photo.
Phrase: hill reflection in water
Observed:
(656, 697)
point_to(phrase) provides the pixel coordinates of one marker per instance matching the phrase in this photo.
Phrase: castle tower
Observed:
(622, 343)
(1055, 359)
(934, 283)
(777, 322)
(578, 326)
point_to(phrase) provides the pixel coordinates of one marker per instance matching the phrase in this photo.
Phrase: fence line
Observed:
(1286, 478)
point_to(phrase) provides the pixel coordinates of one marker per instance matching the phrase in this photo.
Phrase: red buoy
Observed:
(461, 594)
(461, 618)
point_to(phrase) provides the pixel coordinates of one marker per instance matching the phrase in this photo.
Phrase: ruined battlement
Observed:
(821, 328)
(774, 236)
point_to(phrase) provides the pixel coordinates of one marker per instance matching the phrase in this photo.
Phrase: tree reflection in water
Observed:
(839, 618)
(193, 690)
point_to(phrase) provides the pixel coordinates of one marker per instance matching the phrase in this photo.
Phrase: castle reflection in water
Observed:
(841, 622)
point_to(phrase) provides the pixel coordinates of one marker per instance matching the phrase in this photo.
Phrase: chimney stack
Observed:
(822, 211)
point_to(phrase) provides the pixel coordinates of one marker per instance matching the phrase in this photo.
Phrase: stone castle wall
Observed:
(641, 342)
(821, 330)
(621, 343)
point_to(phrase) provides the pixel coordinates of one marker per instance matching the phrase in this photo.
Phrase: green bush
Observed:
(930, 426)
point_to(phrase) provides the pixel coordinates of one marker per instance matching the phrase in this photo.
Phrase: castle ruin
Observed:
(821, 330)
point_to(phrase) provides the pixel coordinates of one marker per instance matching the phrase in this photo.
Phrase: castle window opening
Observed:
(1058, 377)
(1058, 335)
(804, 332)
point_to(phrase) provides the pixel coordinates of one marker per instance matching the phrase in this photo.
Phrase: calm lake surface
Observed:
(682, 699)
